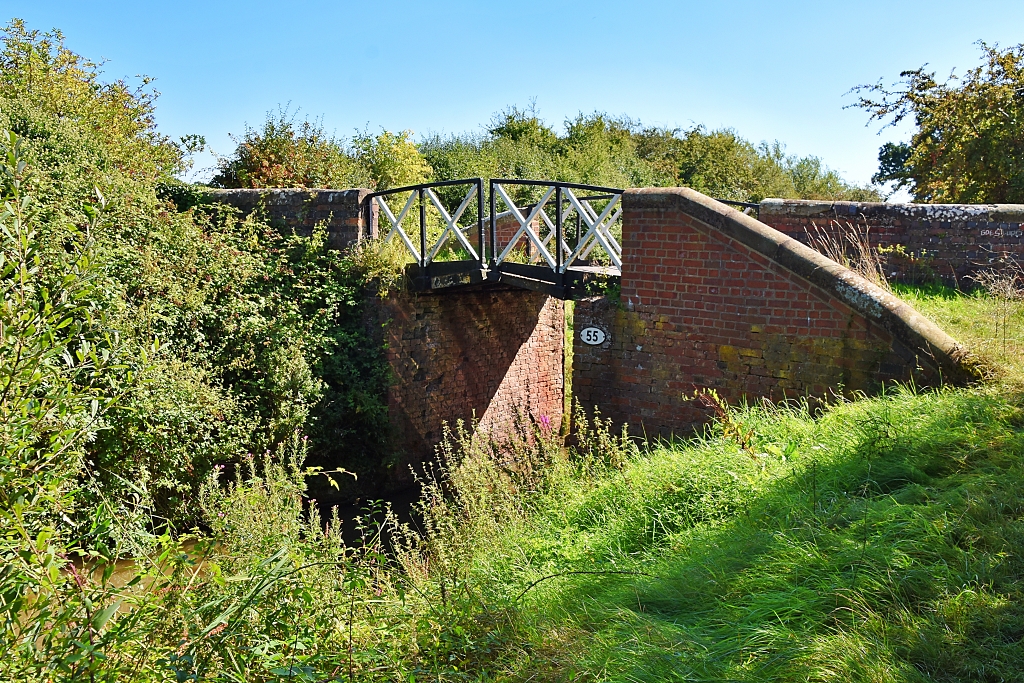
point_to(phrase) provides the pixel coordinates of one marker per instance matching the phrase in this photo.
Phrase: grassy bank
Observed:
(878, 542)
(992, 328)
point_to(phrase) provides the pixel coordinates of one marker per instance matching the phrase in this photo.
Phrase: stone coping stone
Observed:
(804, 208)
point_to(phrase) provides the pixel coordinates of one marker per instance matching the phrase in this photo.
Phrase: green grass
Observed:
(881, 541)
(876, 540)
(992, 329)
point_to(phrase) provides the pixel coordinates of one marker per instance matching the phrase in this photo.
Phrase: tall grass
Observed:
(877, 542)
(990, 326)
(880, 540)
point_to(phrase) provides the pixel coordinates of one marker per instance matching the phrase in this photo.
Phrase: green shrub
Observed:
(283, 154)
(390, 160)
(966, 143)
(259, 332)
(617, 152)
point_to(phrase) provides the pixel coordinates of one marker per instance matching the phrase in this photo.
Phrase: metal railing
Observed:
(749, 208)
(424, 198)
(565, 251)
(542, 222)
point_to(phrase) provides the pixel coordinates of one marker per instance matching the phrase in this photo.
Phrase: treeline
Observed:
(966, 146)
(595, 149)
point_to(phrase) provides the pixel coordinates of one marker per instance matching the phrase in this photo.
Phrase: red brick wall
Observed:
(702, 308)
(486, 350)
(942, 241)
(344, 213)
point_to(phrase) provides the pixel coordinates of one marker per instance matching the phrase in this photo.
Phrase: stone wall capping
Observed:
(925, 242)
(810, 208)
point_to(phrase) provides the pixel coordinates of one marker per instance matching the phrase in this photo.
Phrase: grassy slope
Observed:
(881, 541)
(992, 329)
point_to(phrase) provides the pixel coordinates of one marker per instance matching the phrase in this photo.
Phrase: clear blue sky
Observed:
(771, 70)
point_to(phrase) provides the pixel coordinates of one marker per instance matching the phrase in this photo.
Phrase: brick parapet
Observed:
(711, 298)
(342, 212)
(944, 241)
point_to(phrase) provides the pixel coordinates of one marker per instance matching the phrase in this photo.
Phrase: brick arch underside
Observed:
(481, 351)
(700, 310)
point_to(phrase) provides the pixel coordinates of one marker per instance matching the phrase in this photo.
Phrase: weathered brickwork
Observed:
(710, 298)
(343, 212)
(485, 350)
(505, 227)
(713, 299)
(944, 241)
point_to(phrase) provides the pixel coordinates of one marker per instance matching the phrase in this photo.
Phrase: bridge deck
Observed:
(574, 283)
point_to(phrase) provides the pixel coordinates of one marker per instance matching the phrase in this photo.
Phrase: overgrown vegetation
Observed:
(256, 333)
(991, 325)
(849, 244)
(595, 149)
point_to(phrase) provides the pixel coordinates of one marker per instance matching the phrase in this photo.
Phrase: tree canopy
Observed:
(592, 148)
(968, 142)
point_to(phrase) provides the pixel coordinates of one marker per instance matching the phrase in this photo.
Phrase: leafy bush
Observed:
(284, 154)
(62, 369)
(594, 149)
(601, 150)
(391, 160)
(259, 332)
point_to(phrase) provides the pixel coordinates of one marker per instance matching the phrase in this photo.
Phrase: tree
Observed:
(968, 146)
(391, 159)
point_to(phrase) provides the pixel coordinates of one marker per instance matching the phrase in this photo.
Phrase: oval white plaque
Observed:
(592, 335)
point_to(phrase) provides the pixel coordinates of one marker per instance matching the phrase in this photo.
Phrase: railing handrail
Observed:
(556, 187)
(424, 191)
(598, 222)
(557, 183)
(424, 186)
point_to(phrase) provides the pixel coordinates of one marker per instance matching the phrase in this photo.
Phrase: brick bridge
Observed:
(707, 297)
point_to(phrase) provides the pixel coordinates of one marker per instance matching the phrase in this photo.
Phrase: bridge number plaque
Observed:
(592, 336)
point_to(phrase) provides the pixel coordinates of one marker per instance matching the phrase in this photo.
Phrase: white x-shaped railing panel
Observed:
(598, 226)
(598, 229)
(526, 225)
(451, 221)
(452, 224)
(396, 223)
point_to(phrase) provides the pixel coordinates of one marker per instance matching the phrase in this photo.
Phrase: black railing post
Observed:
(480, 222)
(494, 228)
(558, 229)
(368, 213)
(423, 231)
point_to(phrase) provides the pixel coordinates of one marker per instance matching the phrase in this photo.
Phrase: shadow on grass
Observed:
(888, 546)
